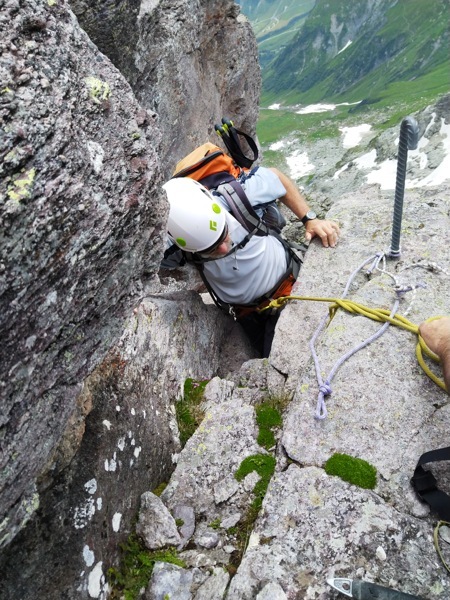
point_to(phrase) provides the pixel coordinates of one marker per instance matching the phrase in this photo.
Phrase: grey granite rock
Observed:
(190, 61)
(156, 526)
(313, 527)
(272, 591)
(83, 221)
(186, 529)
(215, 586)
(169, 581)
(81, 176)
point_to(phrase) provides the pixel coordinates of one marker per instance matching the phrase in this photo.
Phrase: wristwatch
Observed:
(310, 215)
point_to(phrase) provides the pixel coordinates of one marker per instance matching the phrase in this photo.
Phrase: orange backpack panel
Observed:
(206, 160)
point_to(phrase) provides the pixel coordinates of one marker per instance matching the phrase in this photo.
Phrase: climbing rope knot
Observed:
(325, 389)
(321, 409)
(401, 290)
(377, 258)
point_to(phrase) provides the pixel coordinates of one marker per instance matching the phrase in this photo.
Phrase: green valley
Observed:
(275, 23)
(383, 59)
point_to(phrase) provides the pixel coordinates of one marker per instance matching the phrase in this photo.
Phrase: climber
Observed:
(239, 269)
(436, 335)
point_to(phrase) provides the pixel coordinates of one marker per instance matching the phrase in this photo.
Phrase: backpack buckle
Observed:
(232, 312)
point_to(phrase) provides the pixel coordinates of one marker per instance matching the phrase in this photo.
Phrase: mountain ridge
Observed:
(330, 58)
(275, 23)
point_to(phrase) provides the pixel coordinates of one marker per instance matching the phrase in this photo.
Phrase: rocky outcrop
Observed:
(191, 62)
(382, 410)
(81, 241)
(81, 223)
(82, 226)
(119, 443)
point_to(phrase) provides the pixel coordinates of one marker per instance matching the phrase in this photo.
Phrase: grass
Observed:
(398, 102)
(353, 470)
(267, 418)
(411, 72)
(270, 18)
(274, 125)
(159, 490)
(136, 568)
(188, 409)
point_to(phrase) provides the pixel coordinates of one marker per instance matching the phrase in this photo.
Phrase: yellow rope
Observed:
(437, 544)
(376, 314)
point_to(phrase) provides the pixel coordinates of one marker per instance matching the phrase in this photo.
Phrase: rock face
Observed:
(80, 214)
(190, 61)
(82, 222)
(96, 348)
(119, 444)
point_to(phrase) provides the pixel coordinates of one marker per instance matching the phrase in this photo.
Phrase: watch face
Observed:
(310, 215)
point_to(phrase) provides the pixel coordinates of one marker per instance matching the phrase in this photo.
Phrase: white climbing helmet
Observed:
(196, 221)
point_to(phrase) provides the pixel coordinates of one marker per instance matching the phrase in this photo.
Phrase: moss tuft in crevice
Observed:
(188, 409)
(136, 568)
(353, 470)
(267, 418)
(264, 465)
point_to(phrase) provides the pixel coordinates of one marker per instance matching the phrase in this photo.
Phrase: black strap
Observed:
(425, 486)
(173, 249)
(224, 306)
(230, 137)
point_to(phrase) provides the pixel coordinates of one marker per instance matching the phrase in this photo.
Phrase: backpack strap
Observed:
(425, 486)
(241, 208)
(174, 249)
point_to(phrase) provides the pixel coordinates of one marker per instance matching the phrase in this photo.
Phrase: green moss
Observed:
(179, 522)
(215, 524)
(353, 470)
(267, 418)
(136, 568)
(264, 465)
(188, 408)
(159, 490)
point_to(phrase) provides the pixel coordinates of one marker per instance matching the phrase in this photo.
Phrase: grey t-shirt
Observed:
(250, 272)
